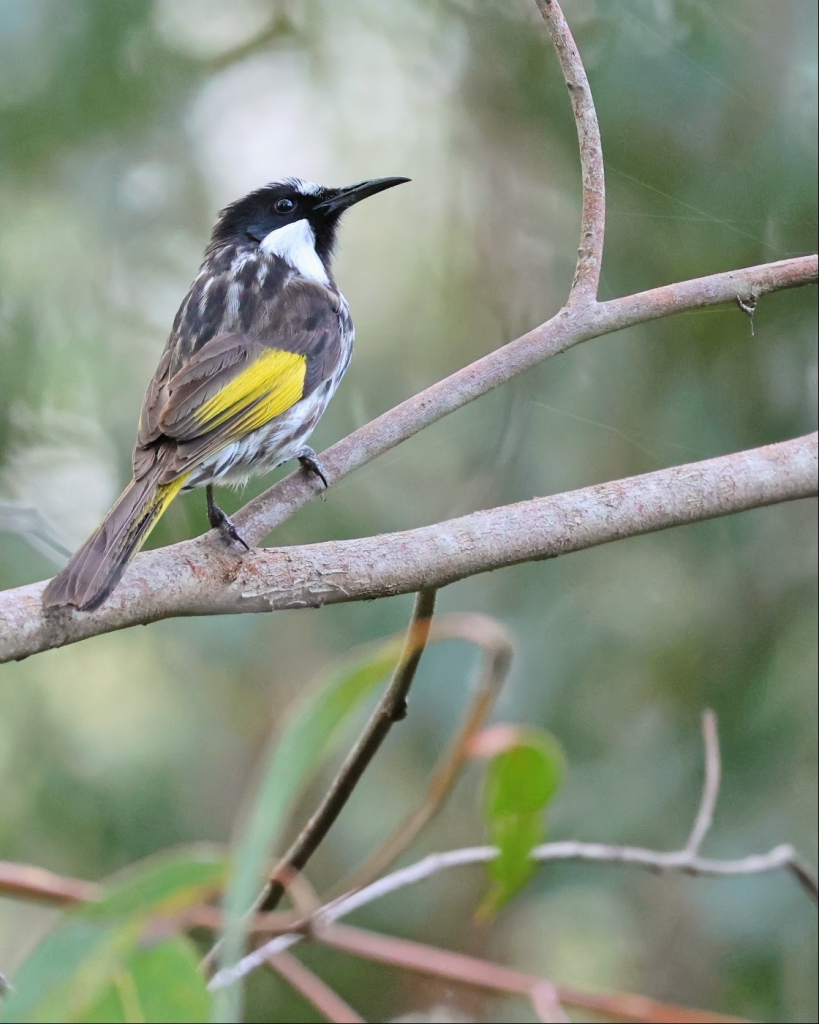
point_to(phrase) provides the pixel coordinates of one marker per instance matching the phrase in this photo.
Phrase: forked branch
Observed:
(198, 577)
(685, 861)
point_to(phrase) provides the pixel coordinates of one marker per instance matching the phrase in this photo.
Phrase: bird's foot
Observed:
(310, 461)
(220, 520)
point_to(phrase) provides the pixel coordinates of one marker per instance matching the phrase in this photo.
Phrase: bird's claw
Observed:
(310, 461)
(221, 521)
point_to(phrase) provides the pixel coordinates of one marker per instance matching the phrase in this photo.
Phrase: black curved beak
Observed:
(342, 198)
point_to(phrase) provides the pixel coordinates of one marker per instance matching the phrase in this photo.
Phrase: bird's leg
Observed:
(308, 458)
(220, 521)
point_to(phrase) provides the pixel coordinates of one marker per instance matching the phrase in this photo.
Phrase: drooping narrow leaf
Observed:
(305, 742)
(160, 983)
(521, 781)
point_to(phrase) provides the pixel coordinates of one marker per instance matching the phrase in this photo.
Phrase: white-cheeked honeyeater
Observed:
(257, 350)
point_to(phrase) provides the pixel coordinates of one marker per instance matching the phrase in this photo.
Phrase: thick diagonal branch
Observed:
(569, 327)
(192, 580)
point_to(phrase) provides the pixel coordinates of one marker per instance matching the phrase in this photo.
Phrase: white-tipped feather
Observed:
(307, 188)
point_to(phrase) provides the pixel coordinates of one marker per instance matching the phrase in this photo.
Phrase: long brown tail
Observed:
(97, 567)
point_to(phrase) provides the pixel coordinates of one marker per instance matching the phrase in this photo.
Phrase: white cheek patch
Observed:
(296, 245)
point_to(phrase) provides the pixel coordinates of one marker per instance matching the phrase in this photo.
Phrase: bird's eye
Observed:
(284, 206)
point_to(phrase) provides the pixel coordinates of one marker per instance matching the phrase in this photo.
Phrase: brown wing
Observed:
(236, 383)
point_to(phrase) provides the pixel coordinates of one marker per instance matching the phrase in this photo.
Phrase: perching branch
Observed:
(193, 579)
(198, 577)
(569, 327)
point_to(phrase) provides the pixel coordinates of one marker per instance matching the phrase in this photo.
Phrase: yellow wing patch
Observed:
(271, 384)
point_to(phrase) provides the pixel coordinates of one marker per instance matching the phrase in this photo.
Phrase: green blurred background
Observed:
(123, 128)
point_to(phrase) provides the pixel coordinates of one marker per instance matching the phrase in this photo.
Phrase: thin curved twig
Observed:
(780, 857)
(391, 708)
(593, 215)
(711, 783)
(497, 656)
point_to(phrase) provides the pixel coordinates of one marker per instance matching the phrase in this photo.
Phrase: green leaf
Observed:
(524, 778)
(520, 783)
(68, 970)
(305, 742)
(90, 947)
(162, 984)
(109, 1008)
(162, 884)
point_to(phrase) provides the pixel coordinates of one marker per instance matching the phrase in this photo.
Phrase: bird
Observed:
(257, 350)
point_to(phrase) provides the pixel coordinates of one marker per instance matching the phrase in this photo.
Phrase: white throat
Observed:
(296, 245)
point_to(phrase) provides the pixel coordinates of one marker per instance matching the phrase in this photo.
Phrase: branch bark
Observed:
(469, 970)
(196, 577)
(593, 212)
(314, 990)
(320, 922)
(193, 579)
(569, 327)
(391, 708)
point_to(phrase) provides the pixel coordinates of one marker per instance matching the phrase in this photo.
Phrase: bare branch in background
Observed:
(686, 861)
(477, 973)
(781, 857)
(711, 783)
(390, 709)
(314, 990)
(24, 881)
(593, 214)
(497, 656)
(193, 579)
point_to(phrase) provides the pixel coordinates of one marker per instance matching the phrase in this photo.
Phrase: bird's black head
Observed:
(255, 216)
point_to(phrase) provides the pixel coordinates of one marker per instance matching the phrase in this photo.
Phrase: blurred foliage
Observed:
(123, 127)
(304, 744)
(520, 783)
(97, 965)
